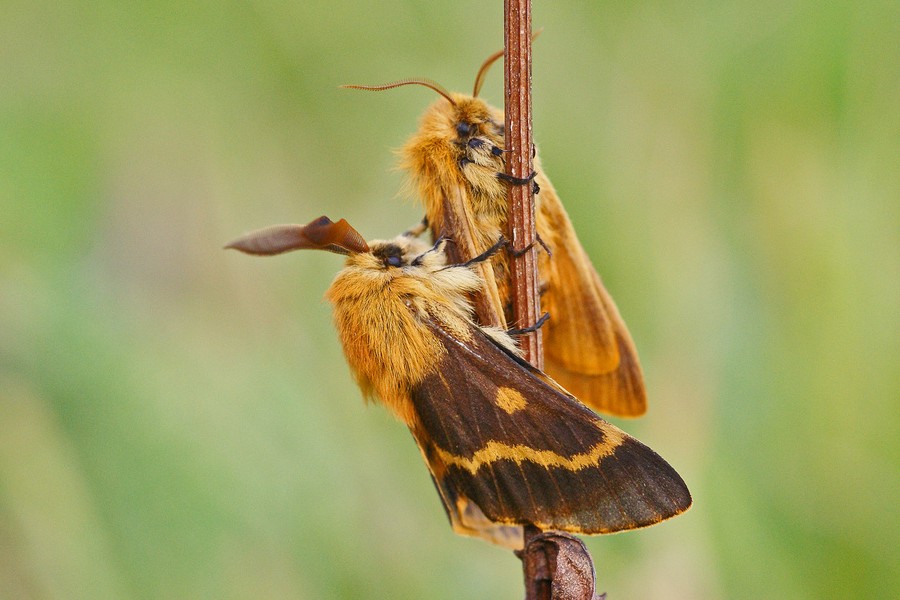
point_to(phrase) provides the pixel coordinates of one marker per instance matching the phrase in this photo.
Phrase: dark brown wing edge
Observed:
(496, 470)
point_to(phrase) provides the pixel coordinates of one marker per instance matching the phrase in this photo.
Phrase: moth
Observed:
(505, 445)
(455, 166)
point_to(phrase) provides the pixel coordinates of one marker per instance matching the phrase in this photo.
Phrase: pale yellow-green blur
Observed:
(177, 421)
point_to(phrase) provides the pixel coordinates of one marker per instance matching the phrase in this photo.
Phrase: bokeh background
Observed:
(178, 422)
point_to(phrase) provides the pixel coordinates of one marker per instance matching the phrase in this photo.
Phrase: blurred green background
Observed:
(178, 422)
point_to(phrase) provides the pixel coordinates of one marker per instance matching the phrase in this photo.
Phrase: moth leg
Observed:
(540, 322)
(543, 244)
(483, 256)
(517, 253)
(417, 229)
(495, 150)
(498, 151)
(535, 188)
(437, 244)
(517, 180)
(482, 150)
(487, 253)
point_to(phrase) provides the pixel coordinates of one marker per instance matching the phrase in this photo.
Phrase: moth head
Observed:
(321, 234)
(399, 253)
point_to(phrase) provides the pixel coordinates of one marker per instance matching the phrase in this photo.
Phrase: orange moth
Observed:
(505, 445)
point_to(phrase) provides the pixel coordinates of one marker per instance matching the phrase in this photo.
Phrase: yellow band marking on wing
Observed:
(494, 451)
(510, 399)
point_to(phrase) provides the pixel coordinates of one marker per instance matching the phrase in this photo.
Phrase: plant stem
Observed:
(519, 146)
(554, 565)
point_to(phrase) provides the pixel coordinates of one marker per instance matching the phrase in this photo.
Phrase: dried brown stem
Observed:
(519, 145)
(555, 565)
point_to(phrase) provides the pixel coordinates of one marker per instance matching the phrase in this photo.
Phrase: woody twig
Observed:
(555, 565)
(519, 146)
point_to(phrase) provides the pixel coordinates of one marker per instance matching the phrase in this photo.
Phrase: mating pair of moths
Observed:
(506, 445)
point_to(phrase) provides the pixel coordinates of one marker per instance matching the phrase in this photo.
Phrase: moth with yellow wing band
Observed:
(506, 446)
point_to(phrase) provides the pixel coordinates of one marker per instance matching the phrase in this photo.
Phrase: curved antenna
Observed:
(415, 81)
(321, 234)
(482, 72)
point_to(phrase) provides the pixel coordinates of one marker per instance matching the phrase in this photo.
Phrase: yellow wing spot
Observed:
(510, 399)
(494, 451)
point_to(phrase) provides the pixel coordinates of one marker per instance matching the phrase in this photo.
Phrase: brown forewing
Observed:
(495, 435)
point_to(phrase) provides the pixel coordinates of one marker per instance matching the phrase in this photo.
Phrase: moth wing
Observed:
(457, 217)
(506, 448)
(587, 347)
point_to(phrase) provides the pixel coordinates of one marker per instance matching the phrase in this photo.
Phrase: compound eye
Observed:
(463, 129)
(393, 261)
